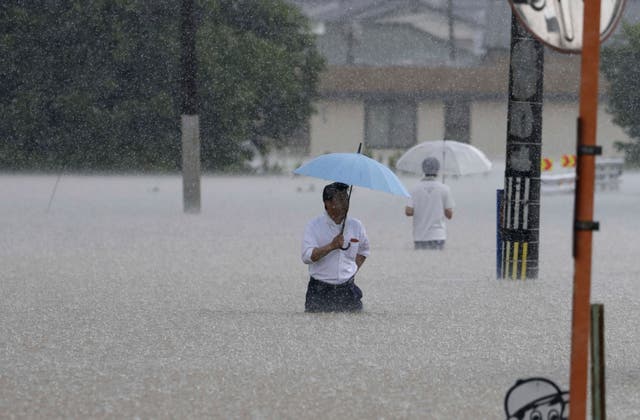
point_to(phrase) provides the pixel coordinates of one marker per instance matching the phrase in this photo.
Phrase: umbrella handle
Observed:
(349, 201)
(344, 222)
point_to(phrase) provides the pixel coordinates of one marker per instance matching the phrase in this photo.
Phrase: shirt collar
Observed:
(330, 221)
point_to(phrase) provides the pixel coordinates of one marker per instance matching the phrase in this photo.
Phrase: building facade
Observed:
(405, 71)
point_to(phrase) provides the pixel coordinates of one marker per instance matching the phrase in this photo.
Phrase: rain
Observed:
(115, 302)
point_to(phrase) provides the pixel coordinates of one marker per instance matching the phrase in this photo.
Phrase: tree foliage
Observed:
(96, 84)
(619, 64)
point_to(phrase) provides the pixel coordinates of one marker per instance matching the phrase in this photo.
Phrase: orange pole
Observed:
(585, 177)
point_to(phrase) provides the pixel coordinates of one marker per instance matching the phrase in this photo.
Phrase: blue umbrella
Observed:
(353, 169)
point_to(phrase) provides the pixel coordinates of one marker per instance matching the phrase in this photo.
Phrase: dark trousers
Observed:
(325, 297)
(429, 244)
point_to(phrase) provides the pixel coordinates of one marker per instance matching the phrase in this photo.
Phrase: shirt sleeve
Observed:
(448, 199)
(410, 199)
(308, 243)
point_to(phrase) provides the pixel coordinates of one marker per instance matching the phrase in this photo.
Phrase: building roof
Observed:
(490, 18)
(486, 20)
(429, 16)
(562, 78)
(340, 10)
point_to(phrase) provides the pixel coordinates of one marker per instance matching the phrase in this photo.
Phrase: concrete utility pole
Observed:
(190, 122)
(452, 40)
(520, 210)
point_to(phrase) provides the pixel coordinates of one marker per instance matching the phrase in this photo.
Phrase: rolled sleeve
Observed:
(308, 244)
(306, 255)
(449, 203)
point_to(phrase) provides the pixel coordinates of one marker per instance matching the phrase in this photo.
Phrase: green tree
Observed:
(86, 87)
(259, 72)
(619, 65)
(95, 85)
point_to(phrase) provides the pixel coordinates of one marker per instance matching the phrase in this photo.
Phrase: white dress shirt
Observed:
(338, 266)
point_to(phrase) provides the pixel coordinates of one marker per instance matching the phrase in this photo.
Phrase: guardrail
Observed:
(607, 177)
(608, 173)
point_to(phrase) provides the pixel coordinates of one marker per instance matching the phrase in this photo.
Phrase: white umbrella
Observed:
(455, 158)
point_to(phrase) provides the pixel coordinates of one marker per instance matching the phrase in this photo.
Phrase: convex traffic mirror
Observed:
(558, 23)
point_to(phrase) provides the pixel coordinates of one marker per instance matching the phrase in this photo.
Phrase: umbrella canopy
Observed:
(455, 158)
(354, 169)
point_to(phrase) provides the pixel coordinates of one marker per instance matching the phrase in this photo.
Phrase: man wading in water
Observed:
(334, 254)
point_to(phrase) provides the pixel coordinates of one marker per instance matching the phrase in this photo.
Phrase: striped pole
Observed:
(519, 228)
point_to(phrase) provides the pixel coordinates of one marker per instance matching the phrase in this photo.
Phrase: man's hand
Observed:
(321, 251)
(360, 260)
(337, 242)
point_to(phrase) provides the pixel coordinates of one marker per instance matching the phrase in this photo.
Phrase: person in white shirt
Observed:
(334, 250)
(430, 203)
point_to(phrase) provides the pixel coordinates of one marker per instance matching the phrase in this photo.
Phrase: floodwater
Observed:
(116, 304)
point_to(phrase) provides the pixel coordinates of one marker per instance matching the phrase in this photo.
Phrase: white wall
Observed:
(489, 129)
(338, 126)
(430, 121)
(559, 130)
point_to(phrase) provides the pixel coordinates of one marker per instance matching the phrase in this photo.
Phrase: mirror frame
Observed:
(528, 11)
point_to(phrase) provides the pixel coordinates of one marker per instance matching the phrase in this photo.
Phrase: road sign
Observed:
(559, 23)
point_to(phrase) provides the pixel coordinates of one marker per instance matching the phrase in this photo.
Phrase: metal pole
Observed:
(189, 120)
(450, 20)
(583, 223)
(519, 229)
(55, 188)
(444, 155)
(598, 403)
(499, 256)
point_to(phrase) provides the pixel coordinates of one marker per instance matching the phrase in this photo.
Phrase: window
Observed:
(390, 124)
(456, 120)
